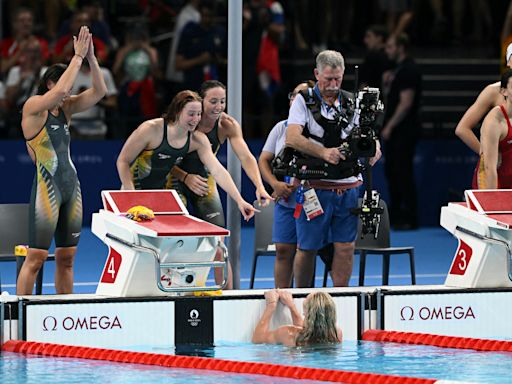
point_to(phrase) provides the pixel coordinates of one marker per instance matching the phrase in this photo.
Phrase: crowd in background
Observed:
(150, 50)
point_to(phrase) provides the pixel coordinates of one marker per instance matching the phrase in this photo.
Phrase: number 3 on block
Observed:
(462, 258)
(111, 267)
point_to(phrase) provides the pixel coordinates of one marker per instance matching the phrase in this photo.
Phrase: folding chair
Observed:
(368, 245)
(263, 245)
(14, 231)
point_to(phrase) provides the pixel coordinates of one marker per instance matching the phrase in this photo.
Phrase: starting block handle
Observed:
(491, 240)
(215, 264)
(135, 246)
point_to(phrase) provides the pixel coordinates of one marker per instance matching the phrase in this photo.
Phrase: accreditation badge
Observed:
(312, 206)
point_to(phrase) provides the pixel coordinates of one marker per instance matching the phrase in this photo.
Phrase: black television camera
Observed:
(361, 143)
(367, 110)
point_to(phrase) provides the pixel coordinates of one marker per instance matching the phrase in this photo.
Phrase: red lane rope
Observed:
(294, 372)
(438, 340)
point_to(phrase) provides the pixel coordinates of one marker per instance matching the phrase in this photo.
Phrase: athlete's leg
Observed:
(342, 264)
(28, 273)
(283, 266)
(43, 215)
(64, 258)
(304, 267)
(67, 235)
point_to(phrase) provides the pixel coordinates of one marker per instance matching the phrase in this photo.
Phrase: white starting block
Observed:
(483, 226)
(172, 253)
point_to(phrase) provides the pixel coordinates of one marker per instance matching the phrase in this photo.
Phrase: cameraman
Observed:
(336, 196)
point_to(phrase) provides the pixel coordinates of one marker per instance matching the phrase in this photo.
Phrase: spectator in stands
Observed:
(22, 35)
(98, 26)
(376, 61)
(135, 69)
(477, 12)
(318, 326)
(22, 82)
(494, 170)
(200, 51)
(401, 132)
(63, 50)
(490, 97)
(398, 14)
(189, 13)
(263, 30)
(91, 123)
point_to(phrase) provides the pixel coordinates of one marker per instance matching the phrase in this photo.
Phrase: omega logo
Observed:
(49, 323)
(447, 312)
(89, 323)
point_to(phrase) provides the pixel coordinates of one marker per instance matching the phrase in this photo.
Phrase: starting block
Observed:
(483, 227)
(172, 253)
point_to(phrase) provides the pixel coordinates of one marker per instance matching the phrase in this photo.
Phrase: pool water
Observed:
(362, 356)
(16, 369)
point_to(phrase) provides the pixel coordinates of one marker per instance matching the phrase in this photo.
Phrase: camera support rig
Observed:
(368, 107)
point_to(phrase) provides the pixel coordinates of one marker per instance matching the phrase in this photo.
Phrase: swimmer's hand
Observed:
(246, 209)
(262, 196)
(272, 296)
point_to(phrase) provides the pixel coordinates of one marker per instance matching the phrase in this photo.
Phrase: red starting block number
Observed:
(462, 258)
(111, 267)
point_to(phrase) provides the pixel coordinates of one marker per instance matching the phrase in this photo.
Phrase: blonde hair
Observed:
(319, 320)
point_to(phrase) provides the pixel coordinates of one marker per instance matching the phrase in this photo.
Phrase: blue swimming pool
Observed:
(384, 358)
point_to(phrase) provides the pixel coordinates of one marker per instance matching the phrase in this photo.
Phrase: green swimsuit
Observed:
(56, 199)
(151, 168)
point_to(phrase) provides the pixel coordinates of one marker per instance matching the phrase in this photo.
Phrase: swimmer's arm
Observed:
(490, 136)
(247, 159)
(219, 173)
(31, 153)
(286, 298)
(262, 333)
(179, 173)
(201, 144)
(135, 144)
(93, 95)
(473, 115)
(39, 103)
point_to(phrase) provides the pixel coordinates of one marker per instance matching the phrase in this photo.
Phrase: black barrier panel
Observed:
(193, 322)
